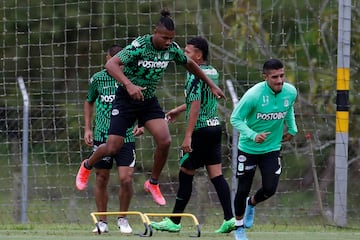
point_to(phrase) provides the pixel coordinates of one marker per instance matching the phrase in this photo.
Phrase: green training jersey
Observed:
(261, 110)
(145, 66)
(102, 89)
(197, 90)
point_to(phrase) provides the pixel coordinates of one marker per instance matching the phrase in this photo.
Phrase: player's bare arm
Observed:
(174, 113)
(193, 117)
(88, 113)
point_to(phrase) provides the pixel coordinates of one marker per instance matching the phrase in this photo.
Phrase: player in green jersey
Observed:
(138, 68)
(202, 141)
(101, 94)
(260, 117)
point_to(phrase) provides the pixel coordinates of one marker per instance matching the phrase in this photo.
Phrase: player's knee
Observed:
(165, 143)
(269, 191)
(102, 180)
(113, 148)
(126, 182)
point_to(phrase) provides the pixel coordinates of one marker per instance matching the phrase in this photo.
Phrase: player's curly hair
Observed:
(165, 20)
(201, 44)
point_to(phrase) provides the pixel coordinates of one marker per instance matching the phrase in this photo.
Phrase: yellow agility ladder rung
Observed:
(144, 219)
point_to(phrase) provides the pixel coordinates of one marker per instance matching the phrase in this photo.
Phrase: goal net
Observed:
(57, 45)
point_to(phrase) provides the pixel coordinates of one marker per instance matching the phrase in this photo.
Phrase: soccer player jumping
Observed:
(260, 117)
(139, 67)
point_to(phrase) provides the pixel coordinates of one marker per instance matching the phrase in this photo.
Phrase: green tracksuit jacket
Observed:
(261, 110)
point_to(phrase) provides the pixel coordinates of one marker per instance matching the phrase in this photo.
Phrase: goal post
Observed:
(234, 143)
(342, 113)
(24, 150)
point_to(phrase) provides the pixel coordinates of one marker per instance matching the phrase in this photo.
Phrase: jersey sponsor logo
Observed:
(107, 98)
(271, 116)
(212, 122)
(153, 64)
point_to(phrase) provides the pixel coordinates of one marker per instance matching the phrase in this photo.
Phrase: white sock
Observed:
(239, 222)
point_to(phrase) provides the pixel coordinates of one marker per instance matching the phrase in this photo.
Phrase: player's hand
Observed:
(186, 145)
(88, 137)
(218, 92)
(286, 137)
(172, 115)
(135, 91)
(138, 131)
(261, 137)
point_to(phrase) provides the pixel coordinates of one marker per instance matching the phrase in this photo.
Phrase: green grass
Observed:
(77, 232)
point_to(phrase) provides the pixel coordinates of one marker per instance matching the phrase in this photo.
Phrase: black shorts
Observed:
(206, 146)
(125, 112)
(269, 163)
(125, 157)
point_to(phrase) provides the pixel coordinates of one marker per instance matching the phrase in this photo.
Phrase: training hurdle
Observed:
(144, 219)
(196, 222)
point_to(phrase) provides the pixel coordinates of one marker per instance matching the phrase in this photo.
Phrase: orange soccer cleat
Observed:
(155, 192)
(82, 177)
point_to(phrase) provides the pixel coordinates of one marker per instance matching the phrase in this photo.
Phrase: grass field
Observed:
(77, 232)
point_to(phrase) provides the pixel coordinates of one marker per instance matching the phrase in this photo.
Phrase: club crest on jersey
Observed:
(166, 56)
(286, 102)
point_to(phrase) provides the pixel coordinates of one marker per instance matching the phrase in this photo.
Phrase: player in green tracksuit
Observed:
(260, 117)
